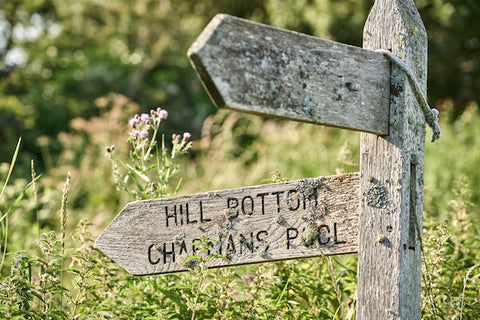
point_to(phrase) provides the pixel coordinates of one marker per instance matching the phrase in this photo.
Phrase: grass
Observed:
(52, 271)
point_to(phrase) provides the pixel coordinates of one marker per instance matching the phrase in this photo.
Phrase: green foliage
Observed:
(450, 158)
(239, 150)
(60, 99)
(147, 176)
(79, 282)
(69, 53)
(58, 56)
(450, 268)
(454, 46)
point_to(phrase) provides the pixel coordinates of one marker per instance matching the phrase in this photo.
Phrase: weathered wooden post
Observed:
(391, 168)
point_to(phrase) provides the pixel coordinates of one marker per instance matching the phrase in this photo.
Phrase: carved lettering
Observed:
(152, 246)
(335, 238)
(247, 205)
(278, 193)
(232, 203)
(183, 247)
(322, 236)
(292, 233)
(230, 245)
(188, 217)
(202, 219)
(291, 198)
(262, 196)
(169, 215)
(168, 253)
(244, 243)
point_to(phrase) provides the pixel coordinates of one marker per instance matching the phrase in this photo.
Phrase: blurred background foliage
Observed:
(58, 56)
(73, 72)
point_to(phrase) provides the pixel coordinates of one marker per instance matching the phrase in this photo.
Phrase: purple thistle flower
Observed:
(144, 134)
(247, 278)
(135, 134)
(145, 117)
(163, 114)
(133, 122)
(186, 135)
(175, 136)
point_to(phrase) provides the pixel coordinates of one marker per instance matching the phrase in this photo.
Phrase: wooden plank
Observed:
(250, 67)
(389, 262)
(302, 218)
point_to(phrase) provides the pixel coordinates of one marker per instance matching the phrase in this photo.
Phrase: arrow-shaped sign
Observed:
(302, 218)
(256, 68)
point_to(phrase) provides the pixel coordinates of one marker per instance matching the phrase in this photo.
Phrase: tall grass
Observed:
(56, 273)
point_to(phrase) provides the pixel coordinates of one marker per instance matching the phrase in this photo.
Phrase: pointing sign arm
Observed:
(256, 68)
(302, 218)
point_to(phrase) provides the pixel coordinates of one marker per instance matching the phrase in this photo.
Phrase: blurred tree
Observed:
(58, 56)
(453, 28)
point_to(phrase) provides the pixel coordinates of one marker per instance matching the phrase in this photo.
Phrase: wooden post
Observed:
(391, 168)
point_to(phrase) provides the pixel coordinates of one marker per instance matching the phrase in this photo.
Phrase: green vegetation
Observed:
(88, 69)
(58, 56)
(58, 274)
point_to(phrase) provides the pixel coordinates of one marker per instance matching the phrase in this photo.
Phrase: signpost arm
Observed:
(391, 168)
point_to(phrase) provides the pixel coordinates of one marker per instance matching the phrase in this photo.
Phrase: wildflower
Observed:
(144, 134)
(135, 134)
(163, 114)
(247, 278)
(133, 122)
(110, 148)
(145, 117)
(186, 135)
(175, 136)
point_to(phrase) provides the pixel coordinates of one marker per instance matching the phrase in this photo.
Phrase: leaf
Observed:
(19, 198)
(192, 258)
(172, 295)
(217, 256)
(137, 172)
(12, 164)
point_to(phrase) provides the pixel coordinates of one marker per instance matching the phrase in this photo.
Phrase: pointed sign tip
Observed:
(202, 39)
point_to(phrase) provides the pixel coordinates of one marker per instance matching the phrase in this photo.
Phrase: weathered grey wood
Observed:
(391, 167)
(252, 224)
(256, 68)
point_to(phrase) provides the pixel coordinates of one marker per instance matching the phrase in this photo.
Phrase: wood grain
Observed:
(389, 262)
(260, 69)
(302, 218)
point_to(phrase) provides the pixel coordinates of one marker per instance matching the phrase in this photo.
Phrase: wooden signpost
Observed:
(260, 69)
(303, 218)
